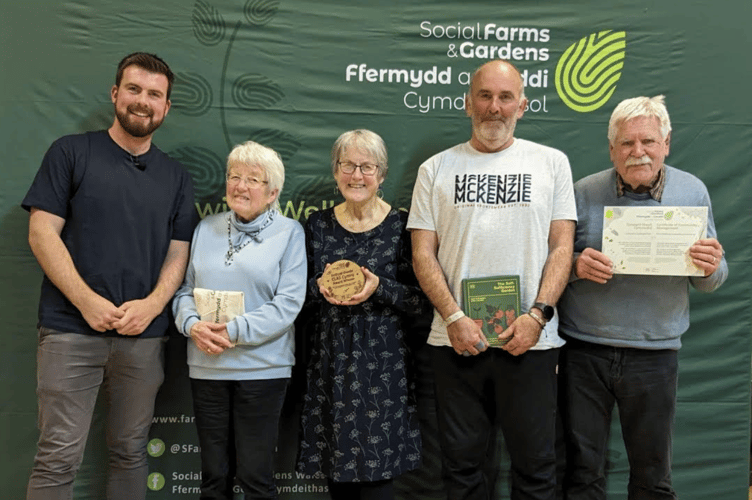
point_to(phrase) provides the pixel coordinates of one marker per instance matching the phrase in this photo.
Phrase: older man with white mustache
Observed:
(623, 331)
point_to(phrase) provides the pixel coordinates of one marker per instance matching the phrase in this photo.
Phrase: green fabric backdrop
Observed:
(294, 74)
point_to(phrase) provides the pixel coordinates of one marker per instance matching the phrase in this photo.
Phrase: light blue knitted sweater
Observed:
(271, 272)
(645, 312)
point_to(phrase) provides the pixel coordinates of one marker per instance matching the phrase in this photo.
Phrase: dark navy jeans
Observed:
(475, 393)
(642, 384)
(238, 424)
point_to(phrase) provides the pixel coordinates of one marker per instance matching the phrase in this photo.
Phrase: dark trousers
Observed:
(71, 368)
(519, 393)
(238, 423)
(642, 384)
(368, 490)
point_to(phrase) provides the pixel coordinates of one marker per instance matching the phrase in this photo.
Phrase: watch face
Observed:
(548, 311)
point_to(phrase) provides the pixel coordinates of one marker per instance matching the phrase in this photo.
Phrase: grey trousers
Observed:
(70, 370)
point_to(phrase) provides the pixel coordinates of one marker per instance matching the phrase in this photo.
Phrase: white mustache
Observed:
(638, 161)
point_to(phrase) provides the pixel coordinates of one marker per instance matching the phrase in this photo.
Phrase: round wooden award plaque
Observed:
(343, 279)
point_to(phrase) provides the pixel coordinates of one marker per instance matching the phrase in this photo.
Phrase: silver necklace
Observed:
(252, 236)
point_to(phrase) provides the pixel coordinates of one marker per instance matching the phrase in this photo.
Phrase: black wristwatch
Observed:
(548, 311)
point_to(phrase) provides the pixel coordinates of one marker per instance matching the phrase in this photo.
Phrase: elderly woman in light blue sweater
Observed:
(240, 369)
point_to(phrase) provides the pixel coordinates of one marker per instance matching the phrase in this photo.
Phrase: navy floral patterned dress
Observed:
(359, 420)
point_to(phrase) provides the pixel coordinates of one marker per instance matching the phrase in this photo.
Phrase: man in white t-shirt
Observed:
(465, 199)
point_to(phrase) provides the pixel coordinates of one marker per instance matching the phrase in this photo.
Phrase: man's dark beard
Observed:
(136, 129)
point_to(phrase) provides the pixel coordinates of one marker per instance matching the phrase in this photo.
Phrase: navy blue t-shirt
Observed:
(120, 215)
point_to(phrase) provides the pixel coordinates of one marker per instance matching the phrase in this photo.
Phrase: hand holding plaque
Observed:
(342, 279)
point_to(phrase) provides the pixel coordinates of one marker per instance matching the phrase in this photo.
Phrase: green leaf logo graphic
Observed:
(260, 12)
(206, 168)
(589, 69)
(208, 24)
(192, 94)
(252, 91)
(281, 142)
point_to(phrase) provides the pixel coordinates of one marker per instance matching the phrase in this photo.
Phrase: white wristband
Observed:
(454, 317)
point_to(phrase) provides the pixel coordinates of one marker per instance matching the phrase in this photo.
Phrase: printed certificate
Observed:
(653, 240)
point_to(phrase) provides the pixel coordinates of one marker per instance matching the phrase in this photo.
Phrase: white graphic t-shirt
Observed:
(492, 213)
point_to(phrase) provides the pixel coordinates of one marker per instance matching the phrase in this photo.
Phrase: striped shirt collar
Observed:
(656, 190)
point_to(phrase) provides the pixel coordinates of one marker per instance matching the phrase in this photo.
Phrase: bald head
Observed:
(494, 103)
(501, 65)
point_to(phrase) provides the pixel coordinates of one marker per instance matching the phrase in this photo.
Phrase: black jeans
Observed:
(519, 393)
(367, 490)
(238, 423)
(642, 383)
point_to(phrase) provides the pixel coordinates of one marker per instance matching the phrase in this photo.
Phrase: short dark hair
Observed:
(149, 62)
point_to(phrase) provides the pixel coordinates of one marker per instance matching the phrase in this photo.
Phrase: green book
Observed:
(493, 303)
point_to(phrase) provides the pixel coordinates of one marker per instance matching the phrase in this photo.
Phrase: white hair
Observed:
(650, 107)
(253, 154)
(365, 141)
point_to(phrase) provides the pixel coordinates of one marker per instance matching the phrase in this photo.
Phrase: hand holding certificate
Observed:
(653, 240)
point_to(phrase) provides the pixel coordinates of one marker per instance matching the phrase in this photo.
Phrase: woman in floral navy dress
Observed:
(360, 426)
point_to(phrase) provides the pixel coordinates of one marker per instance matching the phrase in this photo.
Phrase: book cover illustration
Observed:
(493, 303)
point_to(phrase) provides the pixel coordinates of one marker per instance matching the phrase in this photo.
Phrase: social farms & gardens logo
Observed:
(589, 69)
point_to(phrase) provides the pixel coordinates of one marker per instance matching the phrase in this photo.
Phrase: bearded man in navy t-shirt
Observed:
(111, 219)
